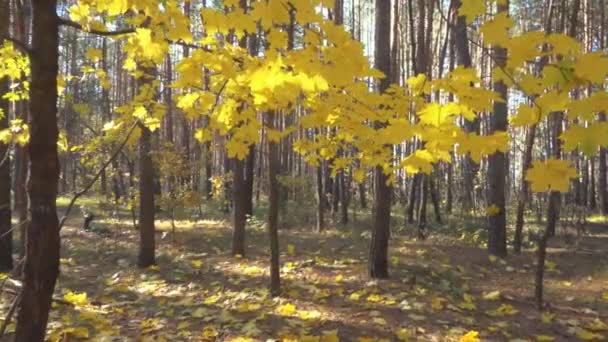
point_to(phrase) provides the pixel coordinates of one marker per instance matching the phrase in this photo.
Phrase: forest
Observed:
(303, 170)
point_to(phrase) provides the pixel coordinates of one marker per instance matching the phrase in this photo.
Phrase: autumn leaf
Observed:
(551, 175)
(287, 309)
(471, 336)
(471, 9)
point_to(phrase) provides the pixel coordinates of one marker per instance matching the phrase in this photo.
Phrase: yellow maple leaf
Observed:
(592, 67)
(286, 309)
(551, 175)
(470, 9)
(496, 31)
(291, 249)
(94, 54)
(75, 298)
(493, 210)
(210, 333)
(471, 336)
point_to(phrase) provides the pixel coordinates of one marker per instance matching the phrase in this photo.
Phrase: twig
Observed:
(9, 314)
(13, 227)
(98, 174)
(70, 23)
(18, 43)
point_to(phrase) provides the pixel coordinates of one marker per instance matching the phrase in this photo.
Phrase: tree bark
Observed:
(378, 252)
(273, 210)
(6, 235)
(146, 201)
(602, 187)
(239, 208)
(497, 221)
(320, 199)
(43, 240)
(523, 189)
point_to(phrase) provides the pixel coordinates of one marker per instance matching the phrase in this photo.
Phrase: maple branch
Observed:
(70, 23)
(98, 174)
(18, 43)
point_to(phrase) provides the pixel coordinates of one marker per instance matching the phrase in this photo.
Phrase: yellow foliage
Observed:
(550, 175)
(471, 336)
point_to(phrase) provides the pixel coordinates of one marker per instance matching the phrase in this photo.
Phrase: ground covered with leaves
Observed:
(442, 289)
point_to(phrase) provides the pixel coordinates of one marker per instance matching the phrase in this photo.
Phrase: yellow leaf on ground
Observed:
(286, 309)
(471, 336)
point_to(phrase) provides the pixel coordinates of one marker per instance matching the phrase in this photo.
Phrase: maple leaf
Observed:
(592, 67)
(471, 9)
(287, 309)
(551, 175)
(471, 336)
(526, 115)
(493, 210)
(496, 31)
(587, 139)
(94, 54)
(76, 299)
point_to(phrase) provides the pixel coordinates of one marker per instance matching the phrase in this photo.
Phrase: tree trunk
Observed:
(424, 190)
(249, 177)
(411, 203)
(320, 199)
(42, 241)
(273, 210)
(435, 199)
(344, 196)
(602, 187)
(239, 208)
(378, 252)
(146, 201)
(523, 189)
(496, 178)
(6, 235)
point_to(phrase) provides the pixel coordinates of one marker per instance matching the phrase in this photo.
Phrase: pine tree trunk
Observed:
(42, 241)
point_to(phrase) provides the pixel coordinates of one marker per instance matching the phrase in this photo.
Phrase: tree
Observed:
(42, 240)
(6, 235)
(378, 252)
(497, 215)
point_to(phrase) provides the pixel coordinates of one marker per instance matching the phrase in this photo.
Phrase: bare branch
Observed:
(19, 44)
(70, 23)
(98, 174)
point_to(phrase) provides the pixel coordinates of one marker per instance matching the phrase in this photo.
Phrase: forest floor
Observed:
(439, 290)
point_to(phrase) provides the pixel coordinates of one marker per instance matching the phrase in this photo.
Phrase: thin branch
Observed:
(11, 311)
(18, 43)
(98, 174)
(70, 23)
(13, 227)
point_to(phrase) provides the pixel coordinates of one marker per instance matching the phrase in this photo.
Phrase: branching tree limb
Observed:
(98, 174)
(70, 23)
(18, 43)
